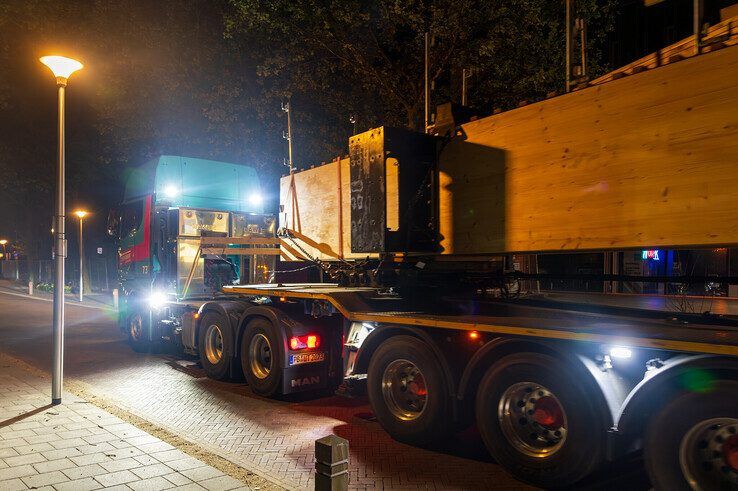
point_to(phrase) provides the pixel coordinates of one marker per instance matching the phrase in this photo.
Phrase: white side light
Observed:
(171, 191)
(621, 352)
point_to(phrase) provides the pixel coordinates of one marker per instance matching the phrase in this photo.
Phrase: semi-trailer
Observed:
(420, 304)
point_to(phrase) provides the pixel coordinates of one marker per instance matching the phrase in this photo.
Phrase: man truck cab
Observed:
(169, 203)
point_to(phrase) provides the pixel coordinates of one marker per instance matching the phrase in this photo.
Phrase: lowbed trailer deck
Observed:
(509, 318)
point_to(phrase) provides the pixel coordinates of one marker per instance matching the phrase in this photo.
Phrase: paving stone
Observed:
(146, 459)
(93, 458)
(60, 454)
(7, 452)
(202, 473)
(86, 484)
(185, 464)
(122, 464)
(53, 465)
(33, 448)
(115, 478)
(84, 471)
(45, 479)
(24, 459)
(150, 471)
(177, 479)
(13, 485)
(158, 446)
(154, 484)
(168, 455)
(223, 483)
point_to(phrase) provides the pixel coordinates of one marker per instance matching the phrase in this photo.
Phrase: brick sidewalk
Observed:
(77, 446)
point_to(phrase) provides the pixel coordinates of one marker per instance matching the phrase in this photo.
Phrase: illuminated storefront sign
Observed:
(653, 255)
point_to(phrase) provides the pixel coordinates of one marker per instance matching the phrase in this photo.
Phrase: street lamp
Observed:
(3, 242)
(80, 214)
(62, 68)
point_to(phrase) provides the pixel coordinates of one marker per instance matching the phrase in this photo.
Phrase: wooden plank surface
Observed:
(316, 203)
(650, 160)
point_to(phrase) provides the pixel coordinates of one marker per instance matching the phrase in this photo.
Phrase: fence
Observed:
(100, 273)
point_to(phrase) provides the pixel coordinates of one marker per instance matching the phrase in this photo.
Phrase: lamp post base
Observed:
(55, 402)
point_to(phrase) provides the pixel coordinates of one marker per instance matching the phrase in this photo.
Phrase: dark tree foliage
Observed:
(205, 78)
(365, 57)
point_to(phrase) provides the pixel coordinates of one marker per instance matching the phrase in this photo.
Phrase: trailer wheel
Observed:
(138, 327)
(260, 357)
(407, 391)
(537, 422)
(215, 345)
(693, 442)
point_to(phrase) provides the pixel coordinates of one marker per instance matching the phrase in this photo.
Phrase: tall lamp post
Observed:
(62, 68)
(81, 214)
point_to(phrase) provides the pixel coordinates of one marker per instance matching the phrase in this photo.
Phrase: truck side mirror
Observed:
(113, 223)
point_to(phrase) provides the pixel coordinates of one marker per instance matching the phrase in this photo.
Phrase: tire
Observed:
(408, 392)
(690, 433)
(138, 331)
(530, 394)
(215, 345)
(261, 357)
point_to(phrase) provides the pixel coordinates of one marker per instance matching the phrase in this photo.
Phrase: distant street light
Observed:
(62, 68)
(2, 243)
(81, 214)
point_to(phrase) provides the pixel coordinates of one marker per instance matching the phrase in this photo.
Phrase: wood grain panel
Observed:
(648, 160)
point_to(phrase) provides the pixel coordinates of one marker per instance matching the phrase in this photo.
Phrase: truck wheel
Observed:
(215, 345)
(260, 357)
(693, 442)
(138, 327)
(537, 423)
(407, 391)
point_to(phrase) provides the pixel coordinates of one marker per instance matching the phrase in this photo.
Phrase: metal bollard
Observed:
(30, 287)
(331, 463)
(115, 299)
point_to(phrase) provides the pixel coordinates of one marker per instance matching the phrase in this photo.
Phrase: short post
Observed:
(30, 287)
(331, 463)
(115, 298)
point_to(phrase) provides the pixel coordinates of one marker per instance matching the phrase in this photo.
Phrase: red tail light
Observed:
(308, 341)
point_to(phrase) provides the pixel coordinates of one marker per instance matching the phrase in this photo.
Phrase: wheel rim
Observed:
(708, 454)
(260, 356)
(532, 419)
(404, 390)
(213, 344)
(135, 327)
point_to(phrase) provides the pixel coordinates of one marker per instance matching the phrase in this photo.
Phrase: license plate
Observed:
(306, 358)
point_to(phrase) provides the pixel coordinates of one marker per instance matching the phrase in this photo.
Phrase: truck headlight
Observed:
(157, 300)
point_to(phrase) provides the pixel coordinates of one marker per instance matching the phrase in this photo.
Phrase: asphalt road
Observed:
(268, 436)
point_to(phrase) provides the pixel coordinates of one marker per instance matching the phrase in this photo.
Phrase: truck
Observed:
(422, 302)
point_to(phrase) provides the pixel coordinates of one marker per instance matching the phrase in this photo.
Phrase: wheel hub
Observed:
(708, 454)
(404, 390)
(213, 344)
(135, 327)
(532, 419)
(260, 356)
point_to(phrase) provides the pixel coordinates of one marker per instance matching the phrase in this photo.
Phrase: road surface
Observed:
(270, 437)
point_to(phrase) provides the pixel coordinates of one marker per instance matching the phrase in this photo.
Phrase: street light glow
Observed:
(3, 241)
(80, 213)
(61, 66)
